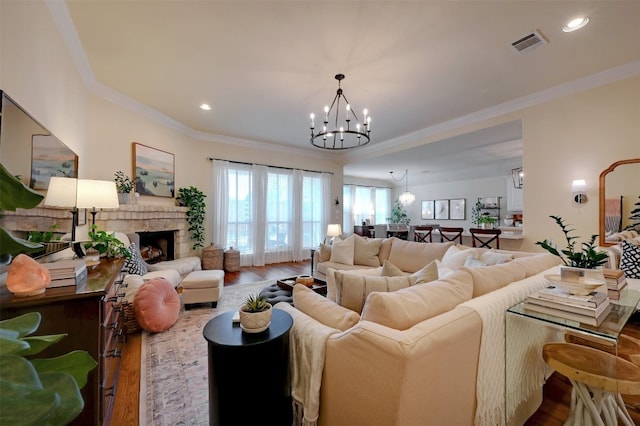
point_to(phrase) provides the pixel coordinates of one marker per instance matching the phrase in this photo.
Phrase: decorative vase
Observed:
(255, 322)
(123, 197)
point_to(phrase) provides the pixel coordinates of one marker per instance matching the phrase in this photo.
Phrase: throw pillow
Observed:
(493, 277)
(325, 253)
(135, 264)
(342, 251)
(411, 256)
(391, 270)
(322, 309)
(630, 260)
(404, 308)
(352, 290)
(156, 305)
(366, 251)
(427, 274)
(443, 271)
(491, 257)
(454, 258)
(474, 262)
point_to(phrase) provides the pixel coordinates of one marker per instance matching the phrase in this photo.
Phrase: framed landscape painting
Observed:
(457, 209)
(442, 209)
(154, 171)
(428, 211)
(50, 157)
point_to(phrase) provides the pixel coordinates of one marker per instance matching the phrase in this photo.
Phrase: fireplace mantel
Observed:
(127, 219)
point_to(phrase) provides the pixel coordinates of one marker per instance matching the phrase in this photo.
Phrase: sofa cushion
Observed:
(391, 270)
(490, 278)
(427, 274)
(455, 257)
(406, 307)
(325, 253)
(331, 276)
(537, 263)
(323, 309)
(630, 260)
(411, 256)
(366, 251)
(352, 289)
(491, 257)
(342, 251)
(385, 248)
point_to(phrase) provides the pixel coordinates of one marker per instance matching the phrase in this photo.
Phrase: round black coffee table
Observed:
(248, 373)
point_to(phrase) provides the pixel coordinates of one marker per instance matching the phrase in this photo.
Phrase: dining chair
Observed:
(485, 237)
(421, 233)
(450, 234)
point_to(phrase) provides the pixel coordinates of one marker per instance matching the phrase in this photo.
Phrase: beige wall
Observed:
(573, 137)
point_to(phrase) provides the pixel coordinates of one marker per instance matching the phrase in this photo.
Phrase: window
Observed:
(239, 229)
(363, 203)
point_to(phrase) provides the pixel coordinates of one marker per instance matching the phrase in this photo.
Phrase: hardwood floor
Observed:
(126, 405)
(553, 411)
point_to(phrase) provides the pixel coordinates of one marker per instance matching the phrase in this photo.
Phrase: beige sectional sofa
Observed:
(403, 350)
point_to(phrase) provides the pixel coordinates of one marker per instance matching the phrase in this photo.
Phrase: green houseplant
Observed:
(193, 198)
(38, 391)
(634, 218)
(106, 243)
(587, 257)
(255, 314)
(398, 214)
(124, 186)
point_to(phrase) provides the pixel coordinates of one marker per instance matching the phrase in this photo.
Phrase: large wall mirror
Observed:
(619, 191)
(29, 150)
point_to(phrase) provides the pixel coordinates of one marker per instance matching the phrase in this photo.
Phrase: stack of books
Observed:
(591, 309)
(616, 281)
(67, 272)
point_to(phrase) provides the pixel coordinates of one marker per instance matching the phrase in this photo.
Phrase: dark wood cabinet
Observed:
(364, 230)
(89, 315)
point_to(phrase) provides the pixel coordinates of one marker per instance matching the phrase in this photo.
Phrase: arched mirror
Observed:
(619, 191)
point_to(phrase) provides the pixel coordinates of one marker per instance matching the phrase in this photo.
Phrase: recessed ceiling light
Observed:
(205, 107)
(576, 24)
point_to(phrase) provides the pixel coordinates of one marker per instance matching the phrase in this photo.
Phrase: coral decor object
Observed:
(26, 277)
(156, 305)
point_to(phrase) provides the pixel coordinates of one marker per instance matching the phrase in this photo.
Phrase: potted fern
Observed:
(255, 314)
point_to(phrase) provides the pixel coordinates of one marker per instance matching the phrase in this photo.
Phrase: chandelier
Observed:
(407, 197)
(345, 130)
(518, 177)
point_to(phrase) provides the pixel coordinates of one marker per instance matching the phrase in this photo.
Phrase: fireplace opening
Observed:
(157, 246)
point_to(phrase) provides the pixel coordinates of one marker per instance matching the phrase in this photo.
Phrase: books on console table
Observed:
(572, 316)
(75, 280)
(66, 272)
(592, 299)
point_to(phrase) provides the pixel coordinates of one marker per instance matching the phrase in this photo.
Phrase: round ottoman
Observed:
(275, 294)
(156, 305)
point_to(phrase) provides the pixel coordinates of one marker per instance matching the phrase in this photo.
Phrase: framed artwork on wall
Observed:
(457, 209)
(428, 211)
(442, 209)
(154, 171)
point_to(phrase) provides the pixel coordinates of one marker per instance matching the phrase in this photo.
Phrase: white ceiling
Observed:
(416, 65)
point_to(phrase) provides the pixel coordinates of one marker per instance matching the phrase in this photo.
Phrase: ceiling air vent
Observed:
(528, 42)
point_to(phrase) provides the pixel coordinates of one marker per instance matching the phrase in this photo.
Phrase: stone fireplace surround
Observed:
(127, 219)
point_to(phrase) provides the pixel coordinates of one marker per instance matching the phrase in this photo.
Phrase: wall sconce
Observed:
(579, 187)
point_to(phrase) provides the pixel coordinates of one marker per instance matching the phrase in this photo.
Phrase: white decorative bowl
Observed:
(580, 289)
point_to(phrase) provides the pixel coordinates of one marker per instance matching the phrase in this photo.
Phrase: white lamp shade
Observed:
(334, 230)
(100, 194)
(578, 185)
(61, 192)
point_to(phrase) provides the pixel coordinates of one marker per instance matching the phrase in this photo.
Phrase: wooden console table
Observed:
(88, 315)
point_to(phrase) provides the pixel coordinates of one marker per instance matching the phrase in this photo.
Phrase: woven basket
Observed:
(232, 260)
(213, 257)
(129, 317)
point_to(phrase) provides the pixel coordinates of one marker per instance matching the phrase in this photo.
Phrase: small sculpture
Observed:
(26, 277)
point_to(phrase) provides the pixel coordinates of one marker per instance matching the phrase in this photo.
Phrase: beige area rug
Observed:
(174, 387)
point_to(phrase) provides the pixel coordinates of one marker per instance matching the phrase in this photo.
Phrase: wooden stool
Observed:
(598, 379)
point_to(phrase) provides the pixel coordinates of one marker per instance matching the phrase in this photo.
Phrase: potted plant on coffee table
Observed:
(255, 314)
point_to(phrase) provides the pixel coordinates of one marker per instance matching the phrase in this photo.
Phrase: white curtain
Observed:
(329, 208)
(220, 200)
(296, 241)
(258, 209)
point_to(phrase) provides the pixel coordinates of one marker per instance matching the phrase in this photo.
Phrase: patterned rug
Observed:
(174, 386)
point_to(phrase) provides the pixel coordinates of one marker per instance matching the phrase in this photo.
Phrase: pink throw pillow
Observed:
(156, 305)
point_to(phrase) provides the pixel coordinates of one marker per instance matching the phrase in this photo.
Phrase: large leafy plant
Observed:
(193, 198)
(38, 391)
(587, 257)
(399, 214)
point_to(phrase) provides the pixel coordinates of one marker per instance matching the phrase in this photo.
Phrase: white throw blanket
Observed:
(490, 383)
(307, 342)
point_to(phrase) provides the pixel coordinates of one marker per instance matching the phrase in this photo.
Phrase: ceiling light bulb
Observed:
(205, 107)
(576, 24)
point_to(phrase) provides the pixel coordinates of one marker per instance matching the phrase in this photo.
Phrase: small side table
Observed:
(249, 370)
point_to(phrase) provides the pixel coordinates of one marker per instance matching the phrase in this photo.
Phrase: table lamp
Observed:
(334, 230)
(62, 193)
(96, 194)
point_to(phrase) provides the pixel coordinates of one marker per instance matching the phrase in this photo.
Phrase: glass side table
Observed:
(526, 332)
